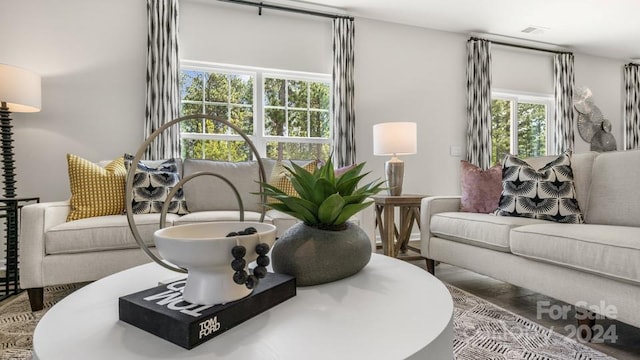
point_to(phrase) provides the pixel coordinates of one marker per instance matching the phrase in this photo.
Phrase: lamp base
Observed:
(394, 171)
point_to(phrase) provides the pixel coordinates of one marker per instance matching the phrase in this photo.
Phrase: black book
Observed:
(162, 312)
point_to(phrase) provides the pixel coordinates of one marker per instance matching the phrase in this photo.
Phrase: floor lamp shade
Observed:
(20, 89)
(395, 138)
(19, 92)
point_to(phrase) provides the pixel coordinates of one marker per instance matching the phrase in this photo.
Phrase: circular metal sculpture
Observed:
(134, 166)
(592, 126)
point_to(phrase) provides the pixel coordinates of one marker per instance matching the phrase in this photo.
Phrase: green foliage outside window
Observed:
(531, 137)
(292, 109)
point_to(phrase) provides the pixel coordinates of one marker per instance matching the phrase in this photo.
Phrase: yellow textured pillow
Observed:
(95, 191)
(280, 179)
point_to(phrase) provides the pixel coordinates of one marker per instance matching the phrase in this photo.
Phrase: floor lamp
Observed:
(19, 92)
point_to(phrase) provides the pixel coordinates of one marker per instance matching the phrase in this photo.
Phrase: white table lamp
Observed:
(395, 138)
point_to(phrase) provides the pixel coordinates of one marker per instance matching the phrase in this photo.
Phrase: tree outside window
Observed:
(286, 115)
(520, 125)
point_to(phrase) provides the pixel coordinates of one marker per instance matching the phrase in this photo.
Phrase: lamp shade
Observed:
(19, 89)
(395, 138)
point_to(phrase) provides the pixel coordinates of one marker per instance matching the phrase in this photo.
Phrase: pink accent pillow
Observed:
(344, 169)
(481, 189)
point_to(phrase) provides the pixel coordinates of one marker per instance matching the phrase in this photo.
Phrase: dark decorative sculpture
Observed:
(592, 126)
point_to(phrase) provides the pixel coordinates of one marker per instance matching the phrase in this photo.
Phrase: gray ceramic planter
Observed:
(316, 256)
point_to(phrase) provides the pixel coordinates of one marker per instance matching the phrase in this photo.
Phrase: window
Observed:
(285, 114)
(520, 125)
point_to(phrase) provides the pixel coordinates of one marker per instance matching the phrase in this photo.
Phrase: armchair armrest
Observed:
(428, 207)
(35, 220)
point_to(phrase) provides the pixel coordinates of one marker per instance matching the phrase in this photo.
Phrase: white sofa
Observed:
(53, 251)
(577, 263)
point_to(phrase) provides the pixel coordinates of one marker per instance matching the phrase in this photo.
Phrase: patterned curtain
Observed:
(163, 71)
(564, 81)
(632, 106)
(344, 142)
(479, 102)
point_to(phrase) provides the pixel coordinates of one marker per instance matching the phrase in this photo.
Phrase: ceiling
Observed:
(608, 28)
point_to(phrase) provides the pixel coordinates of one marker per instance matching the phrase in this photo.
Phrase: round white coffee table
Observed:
(389, 310)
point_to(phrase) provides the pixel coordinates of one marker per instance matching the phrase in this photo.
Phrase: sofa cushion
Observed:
(208, 193)
(483, 230)
(547, 193)
(101, 233)
(280, 178)
(95, 191)
(605, 250)
(480, 188)
(614, 198)
(151, 185)
(581, 164)
(221, 215)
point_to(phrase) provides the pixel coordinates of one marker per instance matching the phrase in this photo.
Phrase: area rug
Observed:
(483, 330)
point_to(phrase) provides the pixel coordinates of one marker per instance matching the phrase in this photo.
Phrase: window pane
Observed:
(192, 149)
(274, 92)
(297, 123)
(500, 129)
(190, 109)
(242, 117)
(297, 94)
(216, 87)
(274, 122)
(532, 130)
(191, 126)
(191, 85)
(216, 150)
(319, 95)
(319, 124)
(241, 89)
(215, 127)
(297, 151)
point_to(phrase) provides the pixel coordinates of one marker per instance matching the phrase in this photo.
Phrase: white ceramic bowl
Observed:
(205, 251)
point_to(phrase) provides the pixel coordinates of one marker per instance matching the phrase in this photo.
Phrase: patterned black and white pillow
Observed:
(548, 193)
(151, 185)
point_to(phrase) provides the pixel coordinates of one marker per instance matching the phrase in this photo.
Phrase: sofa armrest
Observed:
(428, 207)
(35, 220)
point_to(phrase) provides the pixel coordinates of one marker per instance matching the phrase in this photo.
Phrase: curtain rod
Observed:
(522, 46)
(261, 5)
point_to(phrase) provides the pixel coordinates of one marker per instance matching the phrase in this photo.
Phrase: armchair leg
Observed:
(431, 266)
(36, 298)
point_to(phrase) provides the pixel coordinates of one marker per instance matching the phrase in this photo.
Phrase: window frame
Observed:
(259, 137)
(516, 97)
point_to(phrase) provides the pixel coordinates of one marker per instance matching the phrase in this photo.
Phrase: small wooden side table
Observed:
(395, 239)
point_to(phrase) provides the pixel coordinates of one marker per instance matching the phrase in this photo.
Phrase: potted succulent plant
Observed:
(325, 246)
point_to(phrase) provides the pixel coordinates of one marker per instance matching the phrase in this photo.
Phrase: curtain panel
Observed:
(632, 106)
(479, 103)
(344, 143)
(163, 74)
(564, 81)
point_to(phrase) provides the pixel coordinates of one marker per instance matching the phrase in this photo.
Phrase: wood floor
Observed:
(525, 303)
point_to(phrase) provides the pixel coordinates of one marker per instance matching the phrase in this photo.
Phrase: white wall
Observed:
(91, 56)
(405, 73)
(521, 70)
(231, 34)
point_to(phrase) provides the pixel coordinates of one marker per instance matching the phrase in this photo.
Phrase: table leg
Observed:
(406, 224)
(381, 227)
(389, 231)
